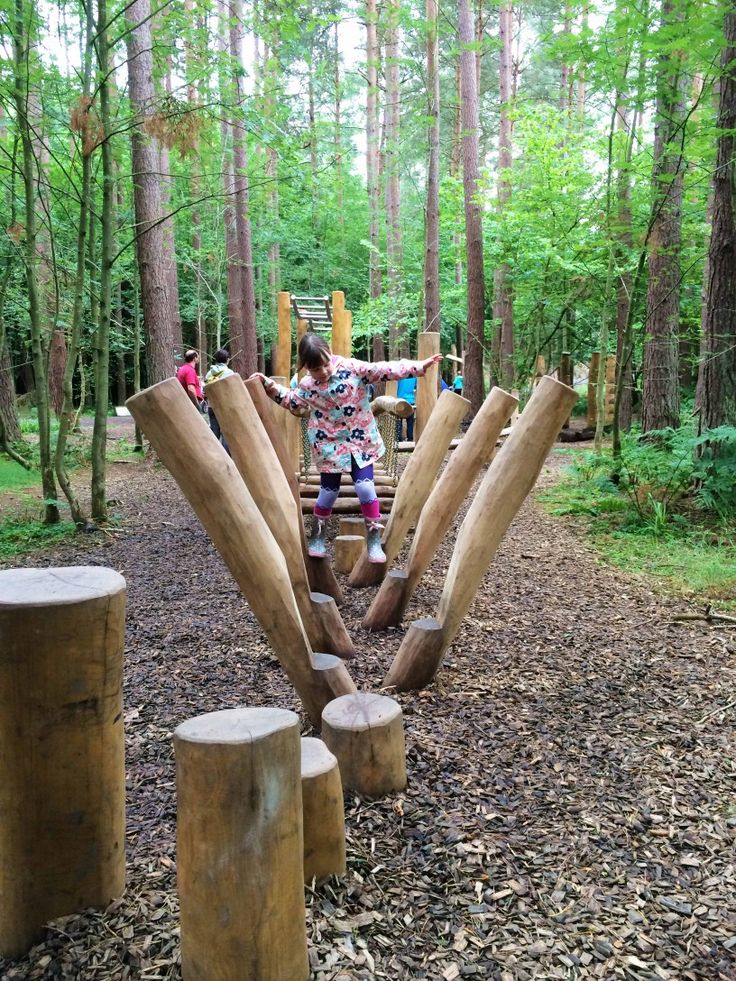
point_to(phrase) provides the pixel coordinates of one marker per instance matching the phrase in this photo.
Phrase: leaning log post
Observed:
(62, 776)
(239, 846)
(366, 734)
(341, 340)
(471, 456)
(502, 491)
(321, 577)
(258, 465)
(414, 486)
(428, 344)
(281, 357)
(211, 483)
(324, 812)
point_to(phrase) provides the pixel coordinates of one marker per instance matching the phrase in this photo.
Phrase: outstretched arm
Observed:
(287, 398)
(392, 370)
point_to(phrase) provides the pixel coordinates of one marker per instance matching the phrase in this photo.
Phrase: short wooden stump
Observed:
(366, 734)
(324, 812)
(352, 526)
(348, 549)
(62, 766)
(239, 846)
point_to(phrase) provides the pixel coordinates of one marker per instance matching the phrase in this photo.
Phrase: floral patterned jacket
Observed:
(341, 424)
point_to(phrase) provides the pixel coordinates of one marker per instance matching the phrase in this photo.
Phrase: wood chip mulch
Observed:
(571, 809)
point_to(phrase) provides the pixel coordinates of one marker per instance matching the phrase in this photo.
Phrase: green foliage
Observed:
(20, 536)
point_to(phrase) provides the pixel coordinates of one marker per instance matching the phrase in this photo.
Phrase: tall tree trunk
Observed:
(661, 397)
(247, 362)
(102, 335)
(432, 220)
(24, 57)
(271, 82)
(190, 57)
(339, 176)
(455, 167)
(156, 301)
(8, 410)
(373, 58)
(503, 304)
(393, 192)
(473, 376)
(717, 374)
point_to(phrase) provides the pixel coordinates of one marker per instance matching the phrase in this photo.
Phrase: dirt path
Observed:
(571, 810)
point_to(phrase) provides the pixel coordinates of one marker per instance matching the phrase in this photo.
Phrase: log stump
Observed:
(62, 776)
(240, 846)
(324, 812)
(366, 734)
(348, 549)
(334, 677)
(352, 526)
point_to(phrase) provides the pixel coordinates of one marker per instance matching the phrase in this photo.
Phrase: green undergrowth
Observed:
(14, 477)
(678, 543)
(19, 535)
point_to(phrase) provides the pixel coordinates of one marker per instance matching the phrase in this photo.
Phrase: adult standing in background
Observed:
(218, 370)
(407, 390)
(457, 385)
(189, 378)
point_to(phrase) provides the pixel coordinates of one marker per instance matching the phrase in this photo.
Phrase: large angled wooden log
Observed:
(508, 480)
(62, 767)
(258, 465)
(472, 455)
(395, 407)
(321, 577)
(414, 486)
(240, 846)
(428, 344)
(281, 350)
(211, 483)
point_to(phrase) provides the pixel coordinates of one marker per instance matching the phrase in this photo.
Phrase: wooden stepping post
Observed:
(348, 549)
(255, 457)
(352, 526)
(324, 812)
(414, 486)
(508, 480)
(62, 769)
(321, 577)
(473, 453)
(211, 483)
(366, 734)
(240, 847)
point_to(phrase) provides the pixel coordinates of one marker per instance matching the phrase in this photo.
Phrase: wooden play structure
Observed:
(62, 777)
(323, 811)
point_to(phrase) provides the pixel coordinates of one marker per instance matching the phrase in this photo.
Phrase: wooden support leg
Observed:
(366, 734)
(348, 549)
(324, 812)
(62, 777)
(336, 680)
(212, 485)
(428, 344)
(321, 577)
(240, 846)
(473, 453)
(255, 457)
(502, 491)
(414, 486)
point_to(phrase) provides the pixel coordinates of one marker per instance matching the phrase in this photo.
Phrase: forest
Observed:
(530, 180)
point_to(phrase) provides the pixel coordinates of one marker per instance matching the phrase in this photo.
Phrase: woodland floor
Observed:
(571, 809)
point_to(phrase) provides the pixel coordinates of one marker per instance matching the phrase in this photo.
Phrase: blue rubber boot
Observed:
(375, 550)
(317, 548)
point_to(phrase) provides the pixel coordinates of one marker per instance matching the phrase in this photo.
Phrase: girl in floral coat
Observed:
(342, 430)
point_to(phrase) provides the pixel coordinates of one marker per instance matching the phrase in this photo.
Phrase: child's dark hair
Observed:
(313, 351)
(222, 356)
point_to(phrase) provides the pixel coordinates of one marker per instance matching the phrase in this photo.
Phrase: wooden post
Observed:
(414, 486)
(508, 480)
(211, 483)
(321, 577)
(341, 342)
(390, 388)
(352, 526)
(62, 777)
(592, 414)
(473, 453)
(281, 358)
(395, 407)
(366, 734)
(348, 549)
(240, 846)
(324, 812)
(302, 326)
(258, 465)
(428, 344)
(566, 376)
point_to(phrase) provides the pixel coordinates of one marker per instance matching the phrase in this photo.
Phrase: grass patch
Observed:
(19, 536)
(14, 477)
(692, 555)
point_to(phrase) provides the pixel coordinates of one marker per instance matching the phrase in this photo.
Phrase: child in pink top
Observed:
(342, 430)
